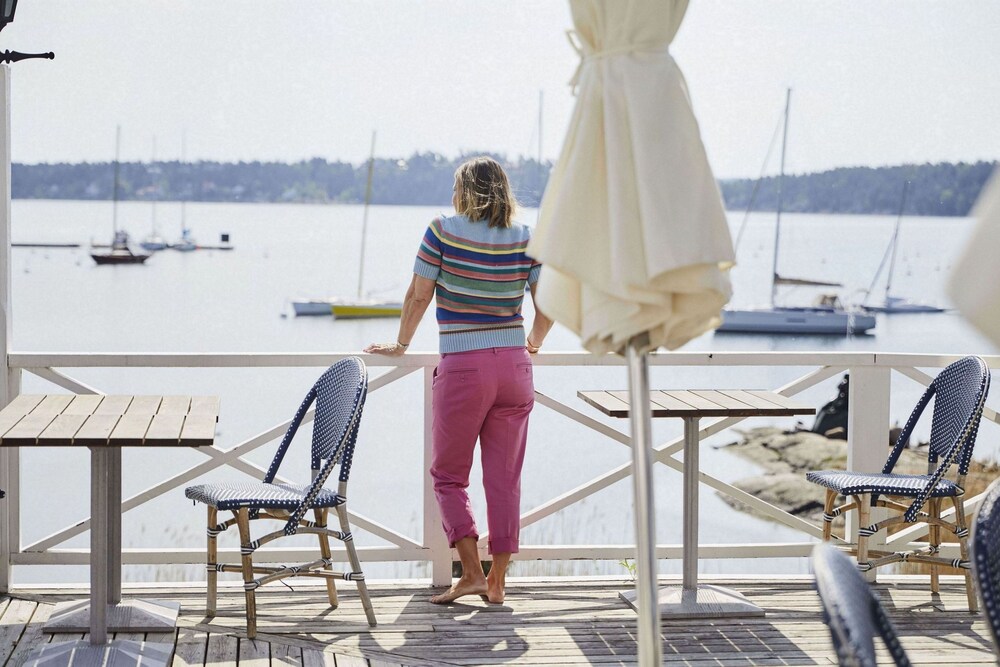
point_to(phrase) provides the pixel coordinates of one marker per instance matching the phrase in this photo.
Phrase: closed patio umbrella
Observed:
(632, 233)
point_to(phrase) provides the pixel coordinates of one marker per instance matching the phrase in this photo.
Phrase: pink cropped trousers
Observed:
(485, 395)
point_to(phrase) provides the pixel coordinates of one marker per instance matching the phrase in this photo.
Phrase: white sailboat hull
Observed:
(796, 321)
(895, 304)
(312, 307)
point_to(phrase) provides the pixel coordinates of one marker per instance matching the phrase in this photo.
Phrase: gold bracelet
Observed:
(402, 345)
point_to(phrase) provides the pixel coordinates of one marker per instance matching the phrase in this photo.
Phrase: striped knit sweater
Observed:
(481, 274)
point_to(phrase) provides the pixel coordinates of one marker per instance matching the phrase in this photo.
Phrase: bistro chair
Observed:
(959, 393)
(852, 612)
(986, 558)
(339, 395)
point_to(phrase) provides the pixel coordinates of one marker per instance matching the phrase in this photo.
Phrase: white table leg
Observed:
(114, 525)
(107, 612)
(691, 600)
(690, 551)
(99, 534)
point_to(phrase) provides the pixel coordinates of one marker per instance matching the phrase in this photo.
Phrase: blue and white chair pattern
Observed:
(852, 612)
(986, 559)
(339, 395)
(959, 394)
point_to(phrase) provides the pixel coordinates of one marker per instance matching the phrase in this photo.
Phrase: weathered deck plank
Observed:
(13, 622)
(560, 623)
(190, 647)
(254, 653)
(32, 635)
(222, 651)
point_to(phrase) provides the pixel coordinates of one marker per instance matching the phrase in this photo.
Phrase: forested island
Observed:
(944, 189)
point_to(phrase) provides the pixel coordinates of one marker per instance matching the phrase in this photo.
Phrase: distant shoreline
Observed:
(944, 189)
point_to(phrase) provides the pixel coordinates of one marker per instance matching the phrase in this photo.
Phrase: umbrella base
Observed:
(706, 601)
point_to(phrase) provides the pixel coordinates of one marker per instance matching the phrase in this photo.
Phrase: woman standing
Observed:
(475, 263)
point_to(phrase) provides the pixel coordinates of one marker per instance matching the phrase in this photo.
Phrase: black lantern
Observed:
(8, 13)
(9, 6)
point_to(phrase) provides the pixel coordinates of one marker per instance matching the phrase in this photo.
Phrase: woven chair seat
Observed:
(892, 484)
(258, 494)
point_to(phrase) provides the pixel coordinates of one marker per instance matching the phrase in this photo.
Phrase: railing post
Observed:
(10, 380)
(868, 435)
(434, 537)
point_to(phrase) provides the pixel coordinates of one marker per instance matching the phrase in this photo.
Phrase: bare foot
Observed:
(460, 588)
(494, 588)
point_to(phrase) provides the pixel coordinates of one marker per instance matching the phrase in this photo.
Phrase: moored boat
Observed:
(363, 308)
(827, 316)
(796, 320)
(186, 243)
(120, 253)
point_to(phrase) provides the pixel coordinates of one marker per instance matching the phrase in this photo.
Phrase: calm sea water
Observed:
(239, 301)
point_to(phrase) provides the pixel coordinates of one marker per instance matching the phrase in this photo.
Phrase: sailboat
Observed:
(895, 304)
(154, 241)
(121, 251)
(360, 307)
(826, 316)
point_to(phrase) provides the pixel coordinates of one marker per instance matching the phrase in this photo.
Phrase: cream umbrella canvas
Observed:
(974, 286)
(632, 233)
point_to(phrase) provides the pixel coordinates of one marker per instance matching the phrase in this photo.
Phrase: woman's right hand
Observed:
(387, 349)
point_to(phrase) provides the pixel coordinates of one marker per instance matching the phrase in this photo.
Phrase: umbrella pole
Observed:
(647, 605)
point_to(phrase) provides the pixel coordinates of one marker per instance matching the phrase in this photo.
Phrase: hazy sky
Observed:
(875, 81)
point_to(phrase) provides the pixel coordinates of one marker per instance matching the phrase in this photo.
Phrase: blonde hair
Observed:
(485, 192)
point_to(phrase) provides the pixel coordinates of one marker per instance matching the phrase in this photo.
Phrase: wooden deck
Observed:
(565, 622)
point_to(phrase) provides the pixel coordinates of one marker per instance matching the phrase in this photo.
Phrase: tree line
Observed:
(944, 189)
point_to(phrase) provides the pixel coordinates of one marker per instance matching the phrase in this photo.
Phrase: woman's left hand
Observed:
(386, 349)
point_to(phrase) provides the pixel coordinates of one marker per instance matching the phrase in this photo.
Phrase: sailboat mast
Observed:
(541, 100)
(114, 195)
(895, 239)
(781, 178)
(154, 171)
(184, 167)
(364, 219)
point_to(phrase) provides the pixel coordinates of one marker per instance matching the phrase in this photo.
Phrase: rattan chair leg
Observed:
(934, 537)
(213, 551)
(352, 554)
(962, 533)
(864, 520)
(243, 522)
(321, 516)
(831, 498)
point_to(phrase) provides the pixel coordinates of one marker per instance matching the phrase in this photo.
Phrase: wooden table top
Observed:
(701, 403)
(88, 420)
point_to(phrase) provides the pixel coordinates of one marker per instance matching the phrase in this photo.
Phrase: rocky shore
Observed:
(786, 456)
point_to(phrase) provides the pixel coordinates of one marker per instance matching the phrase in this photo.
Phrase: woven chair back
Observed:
(340, 398)
(851, 610)
(959, 393)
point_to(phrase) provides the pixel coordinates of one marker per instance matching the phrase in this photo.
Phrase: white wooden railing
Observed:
(869, 422)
